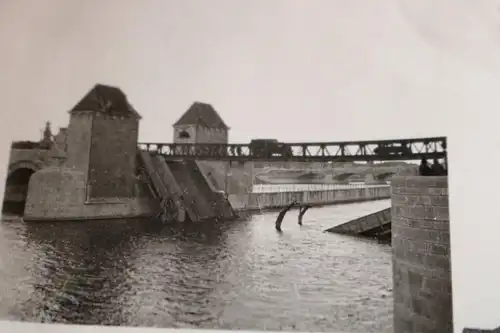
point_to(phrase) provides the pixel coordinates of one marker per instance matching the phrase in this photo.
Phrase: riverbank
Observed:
(268, 201)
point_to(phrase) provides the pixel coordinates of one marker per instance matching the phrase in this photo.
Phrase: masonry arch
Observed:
(16, 186)
(24, 164)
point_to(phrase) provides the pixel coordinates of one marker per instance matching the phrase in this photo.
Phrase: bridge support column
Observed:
(422, 287)
(234, 178)
(239, 178)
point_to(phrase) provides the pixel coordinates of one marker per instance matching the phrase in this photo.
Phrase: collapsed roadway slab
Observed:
(376, 225)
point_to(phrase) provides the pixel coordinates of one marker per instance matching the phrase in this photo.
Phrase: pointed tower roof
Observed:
(106, 99)
(202, 114)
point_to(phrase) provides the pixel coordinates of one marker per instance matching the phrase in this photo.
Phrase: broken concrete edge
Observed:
(338, 229)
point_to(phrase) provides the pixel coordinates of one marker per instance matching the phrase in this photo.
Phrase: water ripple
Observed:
(240, 275)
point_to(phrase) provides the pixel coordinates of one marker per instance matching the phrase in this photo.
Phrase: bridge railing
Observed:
(381, 150)
(276, 188)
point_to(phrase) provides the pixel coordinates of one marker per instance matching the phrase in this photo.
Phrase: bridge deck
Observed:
(377, 224)
(382, 150)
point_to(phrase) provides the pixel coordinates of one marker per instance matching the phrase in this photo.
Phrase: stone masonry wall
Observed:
(113, 155)
(421, 255)
(274, 200)
(190, 129)
(200, 134)
(211, 135)
(59, 194)
(233, 178)
(78, 141)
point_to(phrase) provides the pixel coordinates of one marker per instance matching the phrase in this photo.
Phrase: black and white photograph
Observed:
(233, 165)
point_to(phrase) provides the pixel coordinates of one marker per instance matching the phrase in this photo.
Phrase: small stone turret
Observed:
(47, 141)
(201, 123)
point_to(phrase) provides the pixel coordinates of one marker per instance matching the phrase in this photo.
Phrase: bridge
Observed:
(110, 175)
(26, 160)
(333, 174)
(28, 157)
(23, 163)
(347, 151)
(373, 172)
(200, 138)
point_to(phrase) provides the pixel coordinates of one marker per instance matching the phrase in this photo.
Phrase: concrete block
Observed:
(421, 255)
(419, 246)
(437, 286)
(425, 182)
(419, 200)
(423, 224)
(419, 191)
(437, 262)
(421, 212)
(433, 236)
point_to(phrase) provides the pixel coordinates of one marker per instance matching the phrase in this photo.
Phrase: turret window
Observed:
(184, 135)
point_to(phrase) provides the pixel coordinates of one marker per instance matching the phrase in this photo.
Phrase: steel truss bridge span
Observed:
(349, 151)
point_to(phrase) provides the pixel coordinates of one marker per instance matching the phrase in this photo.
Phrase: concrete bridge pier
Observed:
(234, 178)
(422, 286)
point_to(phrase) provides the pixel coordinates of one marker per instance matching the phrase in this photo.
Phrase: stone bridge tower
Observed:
(97, 178)
(201, 123)
(102, 142)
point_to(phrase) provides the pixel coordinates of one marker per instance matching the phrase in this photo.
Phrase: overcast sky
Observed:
(287, 69)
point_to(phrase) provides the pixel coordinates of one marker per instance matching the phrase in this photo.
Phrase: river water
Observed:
(238, 275)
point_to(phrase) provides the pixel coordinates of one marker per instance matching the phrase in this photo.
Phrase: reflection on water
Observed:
(211, 275)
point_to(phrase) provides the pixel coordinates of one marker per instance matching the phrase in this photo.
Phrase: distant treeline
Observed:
(28, 145)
